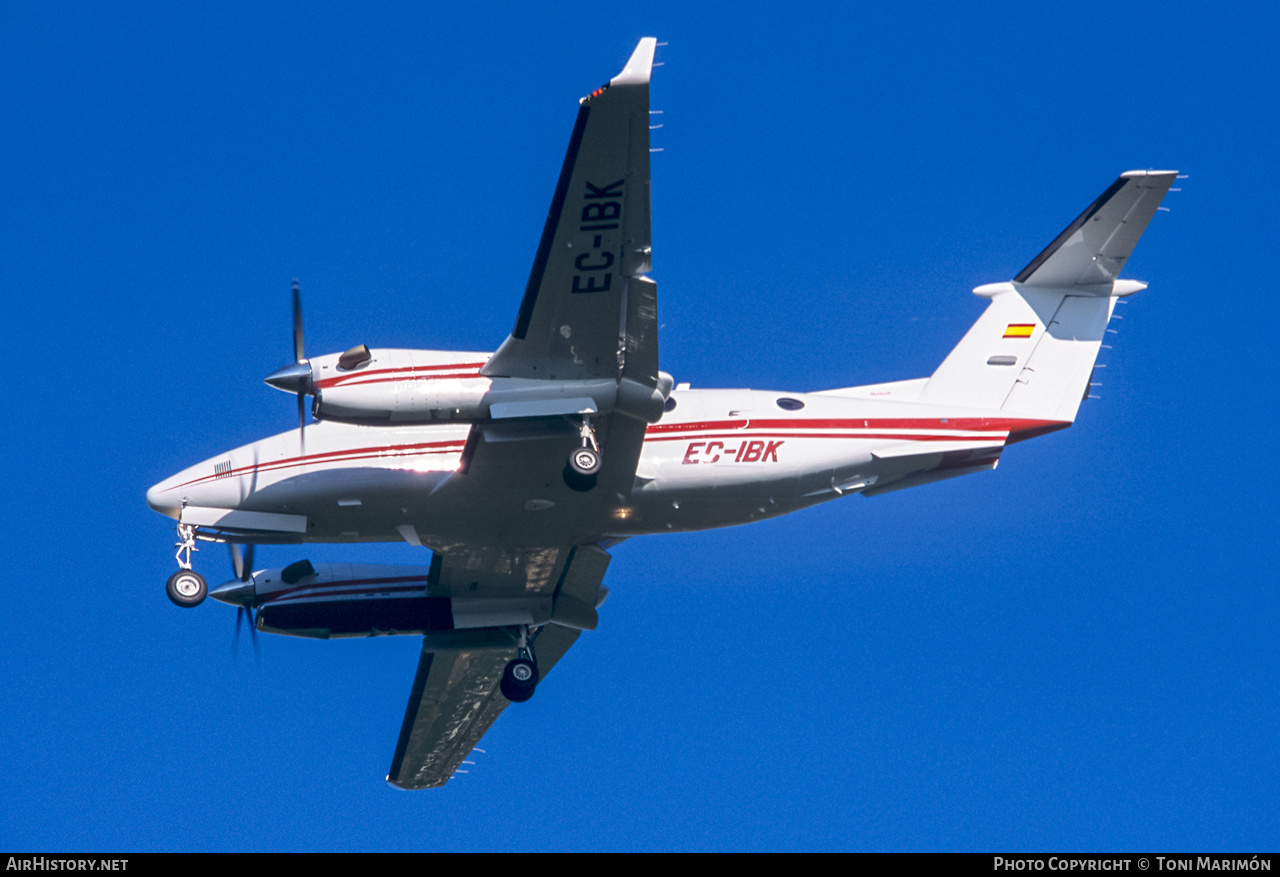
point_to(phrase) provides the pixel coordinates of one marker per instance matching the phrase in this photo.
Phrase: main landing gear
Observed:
(186, 587)
(584, 461)
(520, 677)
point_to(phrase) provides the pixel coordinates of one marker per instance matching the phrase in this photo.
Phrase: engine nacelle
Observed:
(394, 386)
(330, 600)
(418, 386)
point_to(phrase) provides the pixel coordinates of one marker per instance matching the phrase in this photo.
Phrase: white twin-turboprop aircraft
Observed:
(518, 468)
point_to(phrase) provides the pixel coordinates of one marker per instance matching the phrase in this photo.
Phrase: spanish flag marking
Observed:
(1019, 330)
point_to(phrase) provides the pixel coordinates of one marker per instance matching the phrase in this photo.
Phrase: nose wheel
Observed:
(187, 588)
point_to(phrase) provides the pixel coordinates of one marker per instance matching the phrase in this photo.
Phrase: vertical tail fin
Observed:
(1033, 349)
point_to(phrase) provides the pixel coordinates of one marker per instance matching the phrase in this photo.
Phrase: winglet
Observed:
(640, 66)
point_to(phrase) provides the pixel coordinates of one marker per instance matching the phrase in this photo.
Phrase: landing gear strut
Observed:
(520, 677)
(186, 587)
(584, 461)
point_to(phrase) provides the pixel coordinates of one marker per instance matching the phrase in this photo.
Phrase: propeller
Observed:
(242, 566)
(296, 378)
(299, 359)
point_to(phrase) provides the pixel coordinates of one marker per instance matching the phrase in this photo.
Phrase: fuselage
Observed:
(716, 458)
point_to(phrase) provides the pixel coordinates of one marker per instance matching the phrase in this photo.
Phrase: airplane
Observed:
(520, 468)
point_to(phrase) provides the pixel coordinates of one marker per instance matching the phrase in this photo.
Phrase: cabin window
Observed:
(786, 403)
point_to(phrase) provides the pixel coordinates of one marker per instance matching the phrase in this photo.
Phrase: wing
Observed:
(588, 311)
(455, 696)
(588, 314)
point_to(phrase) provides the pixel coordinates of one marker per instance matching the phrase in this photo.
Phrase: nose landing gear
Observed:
(186, 587)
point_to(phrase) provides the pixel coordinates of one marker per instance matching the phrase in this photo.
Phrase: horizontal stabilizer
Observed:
(914, 463)
(1092, 249)
(926, 449)
(940, 474)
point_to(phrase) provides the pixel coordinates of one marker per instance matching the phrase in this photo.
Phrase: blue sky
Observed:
(1075, 651)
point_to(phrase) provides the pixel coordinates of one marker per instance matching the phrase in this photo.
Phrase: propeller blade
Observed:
(298, 357)
(297, 322)
(241, 560)
(242, 612)
(237, 561)
(253, 634)
(242, 566)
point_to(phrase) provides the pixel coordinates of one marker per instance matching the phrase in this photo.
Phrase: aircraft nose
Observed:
(163, 500)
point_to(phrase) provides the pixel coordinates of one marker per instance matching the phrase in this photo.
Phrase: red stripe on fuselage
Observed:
(444, 447)
(1018, 430)
(405, 373)
(906, 436)
(951, 424)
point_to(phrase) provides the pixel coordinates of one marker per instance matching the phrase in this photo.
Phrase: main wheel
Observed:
(585, 461)
(186, 588)
(519, 679)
